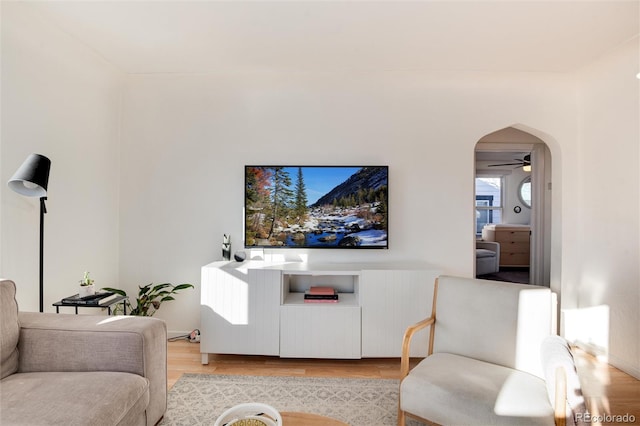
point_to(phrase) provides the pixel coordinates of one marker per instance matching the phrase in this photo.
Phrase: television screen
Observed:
(316, 207)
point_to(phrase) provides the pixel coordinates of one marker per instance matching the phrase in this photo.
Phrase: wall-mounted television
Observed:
(316, 207)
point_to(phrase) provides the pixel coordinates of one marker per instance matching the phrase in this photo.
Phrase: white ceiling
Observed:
(209, 36)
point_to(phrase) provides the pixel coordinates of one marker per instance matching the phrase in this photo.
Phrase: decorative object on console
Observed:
(316, 207)
(226, 247)
(31, 180)
(86, 286)
(239, 256)
(149, 298)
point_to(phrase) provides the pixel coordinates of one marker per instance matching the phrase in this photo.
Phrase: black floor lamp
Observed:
(31, 180)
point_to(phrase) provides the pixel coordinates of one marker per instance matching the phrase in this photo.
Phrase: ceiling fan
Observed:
(523, 162)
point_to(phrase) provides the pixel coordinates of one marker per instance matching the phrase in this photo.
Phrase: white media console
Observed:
(257, 308)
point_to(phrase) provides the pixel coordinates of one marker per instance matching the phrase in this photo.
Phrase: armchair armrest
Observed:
(490, 245)
(406, 343)
(63, 342)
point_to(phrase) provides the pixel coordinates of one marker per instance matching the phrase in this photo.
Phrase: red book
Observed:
(322, 290)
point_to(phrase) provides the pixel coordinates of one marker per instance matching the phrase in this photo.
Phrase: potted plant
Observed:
(149, 298)
(86, 286)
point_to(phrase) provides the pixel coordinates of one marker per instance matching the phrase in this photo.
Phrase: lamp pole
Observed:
(43, 210)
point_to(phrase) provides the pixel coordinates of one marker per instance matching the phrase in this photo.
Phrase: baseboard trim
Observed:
(624, 366)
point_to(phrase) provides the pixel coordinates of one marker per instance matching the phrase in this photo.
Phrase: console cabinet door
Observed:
(391, 301)
(320, 331)
(240, 311)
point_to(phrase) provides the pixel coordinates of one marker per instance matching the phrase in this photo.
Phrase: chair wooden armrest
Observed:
(406, 343)
(560, 412)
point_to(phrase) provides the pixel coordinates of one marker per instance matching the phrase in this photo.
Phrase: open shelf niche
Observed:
(295, 283)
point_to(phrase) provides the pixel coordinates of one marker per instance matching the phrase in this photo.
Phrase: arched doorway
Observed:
(513, 205)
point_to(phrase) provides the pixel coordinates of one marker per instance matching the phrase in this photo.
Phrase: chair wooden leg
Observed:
(401, 417)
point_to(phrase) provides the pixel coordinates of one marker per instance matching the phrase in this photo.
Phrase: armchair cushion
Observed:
(461, 390)
(9, 329)
(75, 399)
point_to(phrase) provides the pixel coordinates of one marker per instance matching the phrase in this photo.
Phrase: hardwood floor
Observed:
(608, 390)
(184, 357)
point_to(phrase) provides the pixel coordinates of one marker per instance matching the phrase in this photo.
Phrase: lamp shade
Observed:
(32, 177)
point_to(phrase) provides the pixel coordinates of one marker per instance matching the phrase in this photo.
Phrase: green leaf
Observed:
(182, 287)
(115, 290)
(161, 286)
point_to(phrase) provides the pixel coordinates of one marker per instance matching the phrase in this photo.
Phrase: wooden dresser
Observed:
(514, 242)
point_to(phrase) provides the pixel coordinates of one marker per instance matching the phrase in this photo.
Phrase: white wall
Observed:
(60, 100)
(187, 138)
(602, 270)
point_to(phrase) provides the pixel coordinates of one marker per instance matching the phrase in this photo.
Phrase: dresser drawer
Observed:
(514, 259)
(514, 247)
(515, 236)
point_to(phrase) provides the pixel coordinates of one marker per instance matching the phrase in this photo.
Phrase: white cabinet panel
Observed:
(391, 301)
(320, 331)
(239, 310)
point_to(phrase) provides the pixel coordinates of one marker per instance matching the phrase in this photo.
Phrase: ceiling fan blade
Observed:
(505, 164)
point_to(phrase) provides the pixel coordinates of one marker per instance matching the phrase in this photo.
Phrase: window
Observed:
(524, 191)
(488, 201)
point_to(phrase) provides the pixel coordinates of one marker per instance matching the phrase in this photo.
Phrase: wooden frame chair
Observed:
(484, 363)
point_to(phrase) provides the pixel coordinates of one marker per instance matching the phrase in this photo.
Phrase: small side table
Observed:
(107, 305)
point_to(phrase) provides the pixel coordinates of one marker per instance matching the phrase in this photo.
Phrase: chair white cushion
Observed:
(451, 389)
(497, 322)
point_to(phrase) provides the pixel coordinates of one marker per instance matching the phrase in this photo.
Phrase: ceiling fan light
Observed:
(526, 168)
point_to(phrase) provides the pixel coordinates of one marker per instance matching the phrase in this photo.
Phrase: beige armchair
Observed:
(484, 363)
(61, 369)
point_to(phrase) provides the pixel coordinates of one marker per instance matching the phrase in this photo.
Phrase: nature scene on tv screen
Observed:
(307, 207)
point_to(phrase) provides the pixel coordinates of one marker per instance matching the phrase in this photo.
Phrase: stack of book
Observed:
(321, 295)
(98, 299)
